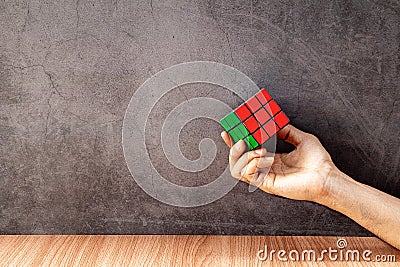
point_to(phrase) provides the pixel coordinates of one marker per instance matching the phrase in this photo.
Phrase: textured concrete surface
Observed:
(69, 68)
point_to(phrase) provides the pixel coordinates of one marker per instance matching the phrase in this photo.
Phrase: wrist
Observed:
(335, 181)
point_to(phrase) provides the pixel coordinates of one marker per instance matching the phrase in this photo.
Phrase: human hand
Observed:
(301, 174)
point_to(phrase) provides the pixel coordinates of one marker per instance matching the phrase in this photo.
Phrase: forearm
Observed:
(376, 211)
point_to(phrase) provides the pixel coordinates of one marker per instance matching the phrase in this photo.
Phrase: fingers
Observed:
(254, 165)
(291, 135)
(245, 159)
(236, 153)
(227, 139)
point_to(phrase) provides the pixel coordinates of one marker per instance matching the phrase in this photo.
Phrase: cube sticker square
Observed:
(274, 107)
(281, 119)
(262, 116)
(261, 136)
(263, 96)
(230, 121)
(270, 127)
(253, 104)
(255, 121)
(251, 124)
(243, 112)
(251, 142)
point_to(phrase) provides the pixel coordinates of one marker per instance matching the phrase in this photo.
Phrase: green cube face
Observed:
(237, 130)
(235, 134)
(244, 132)
(251, 142)
(230, 121)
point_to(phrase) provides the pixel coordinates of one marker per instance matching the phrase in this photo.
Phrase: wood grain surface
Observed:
(176, 250)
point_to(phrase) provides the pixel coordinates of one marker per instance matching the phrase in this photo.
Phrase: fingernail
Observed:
(269, 158)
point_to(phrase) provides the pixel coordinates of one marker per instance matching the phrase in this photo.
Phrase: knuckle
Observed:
(312, 137)
(251, 155)
(254, 163)
(254, 153)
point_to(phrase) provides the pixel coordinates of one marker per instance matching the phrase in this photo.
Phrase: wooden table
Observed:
(174, 250)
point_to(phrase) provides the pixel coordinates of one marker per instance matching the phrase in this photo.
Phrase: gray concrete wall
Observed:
(69, 68)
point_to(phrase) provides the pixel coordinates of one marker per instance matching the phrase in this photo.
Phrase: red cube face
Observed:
(262, 116)
(255, 121)
(281, 119)
(251, 124)
(274, 108)
(263, 96)
(243, 112)
(253, 104)
(271, 128)
(261, 136)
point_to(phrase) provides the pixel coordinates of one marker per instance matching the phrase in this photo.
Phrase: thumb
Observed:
(292, 135)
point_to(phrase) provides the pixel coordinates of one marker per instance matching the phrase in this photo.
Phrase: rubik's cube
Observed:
(255, 121)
